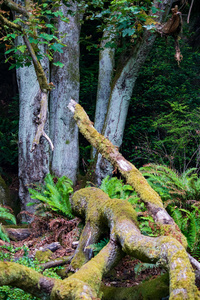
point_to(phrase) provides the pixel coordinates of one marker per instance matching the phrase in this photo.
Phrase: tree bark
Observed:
(106, 69)
(63, 131)
(32, 166)
(122, 87)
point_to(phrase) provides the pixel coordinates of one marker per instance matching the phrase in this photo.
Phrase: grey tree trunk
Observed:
(106, 68)
(32, 166)
(63, 131)
(122, 87)
(119, 101)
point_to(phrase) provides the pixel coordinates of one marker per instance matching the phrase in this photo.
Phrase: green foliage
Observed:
(10, 293)
(123, 17)
(189, 223)
(40, 29)
(180, 188)
(99, 246)
(55, 193)
(5, 215)
(9, 134)
(163, 120)
(115, 188)
(147, 225)
(141, 267)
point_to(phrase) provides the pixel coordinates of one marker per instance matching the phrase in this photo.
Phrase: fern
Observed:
(99, 246)
(141, 267)
(7, 216)
(55, 193)
(170, 185)
(189, 223)
(115, 188)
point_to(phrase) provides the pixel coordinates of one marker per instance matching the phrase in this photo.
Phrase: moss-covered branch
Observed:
(10, 24)
(120, 217)
(26, 279)
(157, 288)
(128, 170)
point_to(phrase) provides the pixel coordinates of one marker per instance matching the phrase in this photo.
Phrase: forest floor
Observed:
(129, 272)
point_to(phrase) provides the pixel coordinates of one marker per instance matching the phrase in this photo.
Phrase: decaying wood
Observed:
(129, 171)
(18, 234)
(57, 262)
(119, 218)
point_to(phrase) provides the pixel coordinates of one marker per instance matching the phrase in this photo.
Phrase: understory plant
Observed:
(115, 188)
(5, 215)
(182, 189)
(189, 223)
(7, 253)
(181, 193)
(54, 193)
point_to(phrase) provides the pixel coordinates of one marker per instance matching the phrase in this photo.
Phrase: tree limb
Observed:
(42, 120)
(16, 7)
(128, 170)
(9, 23)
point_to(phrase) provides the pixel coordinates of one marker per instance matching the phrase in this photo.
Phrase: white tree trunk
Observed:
(106, 68)
(32, 166)
(63, 131)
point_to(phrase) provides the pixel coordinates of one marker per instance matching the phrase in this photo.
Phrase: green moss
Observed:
(141, 186)
(173, 231)
(43, 256)
(154, 289)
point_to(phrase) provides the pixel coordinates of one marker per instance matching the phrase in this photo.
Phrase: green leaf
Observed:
(57, 47)
(58, 64)
(154, 9)
(10, 50)
(48, 37)
(128, 31)
(22, 48)
(58, 13)
(50, 26)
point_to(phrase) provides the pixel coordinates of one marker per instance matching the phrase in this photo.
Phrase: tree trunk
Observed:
(106, 69)
(32, 166)
(122, 88)
(63, 131)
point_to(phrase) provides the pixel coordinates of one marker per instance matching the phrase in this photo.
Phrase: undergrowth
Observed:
(54, 193)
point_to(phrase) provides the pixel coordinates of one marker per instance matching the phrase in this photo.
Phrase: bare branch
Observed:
(188, 18)
(41, 122)
(16, 7)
